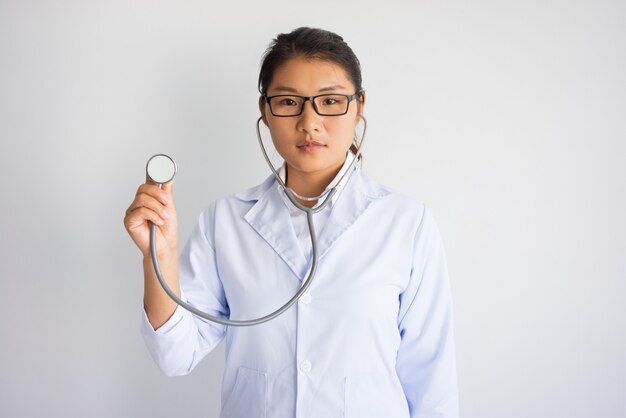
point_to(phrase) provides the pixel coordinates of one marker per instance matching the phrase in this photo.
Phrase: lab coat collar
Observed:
(270, 218)
(282, 172)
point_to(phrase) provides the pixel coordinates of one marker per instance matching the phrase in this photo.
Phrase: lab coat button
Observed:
(306, 298)
(305, 366)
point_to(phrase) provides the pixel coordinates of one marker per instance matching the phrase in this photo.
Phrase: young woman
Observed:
(373, 335)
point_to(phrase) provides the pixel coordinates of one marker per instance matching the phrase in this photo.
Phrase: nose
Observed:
(309, 121)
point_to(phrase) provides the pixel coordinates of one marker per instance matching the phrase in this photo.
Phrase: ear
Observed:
(361, 103)
(262, 109)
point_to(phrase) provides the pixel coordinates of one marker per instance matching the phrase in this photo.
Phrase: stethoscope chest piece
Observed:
(161, 169)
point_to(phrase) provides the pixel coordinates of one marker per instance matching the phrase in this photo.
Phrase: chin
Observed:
(312, 165)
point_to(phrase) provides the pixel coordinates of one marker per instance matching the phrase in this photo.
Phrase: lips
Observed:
(310, 146)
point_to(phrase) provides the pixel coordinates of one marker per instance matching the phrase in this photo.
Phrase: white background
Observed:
(507, 118)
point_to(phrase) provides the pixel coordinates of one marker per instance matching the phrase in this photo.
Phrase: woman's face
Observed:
(311, 143)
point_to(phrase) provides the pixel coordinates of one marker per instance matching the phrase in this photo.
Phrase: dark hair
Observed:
(309, 43)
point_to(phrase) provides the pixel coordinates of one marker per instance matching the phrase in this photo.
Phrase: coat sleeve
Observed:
(179, 344)
(426, 363)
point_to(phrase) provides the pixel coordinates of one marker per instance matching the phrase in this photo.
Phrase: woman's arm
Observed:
(158, 305)
(426, 361)
(154, 205)
(181, 342)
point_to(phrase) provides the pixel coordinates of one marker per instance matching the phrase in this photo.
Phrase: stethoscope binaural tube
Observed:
(163, 177)
(290, 192)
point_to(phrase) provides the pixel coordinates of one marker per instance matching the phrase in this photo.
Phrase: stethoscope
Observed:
(161, 169)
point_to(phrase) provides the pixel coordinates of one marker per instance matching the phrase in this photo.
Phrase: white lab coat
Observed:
(371, 338)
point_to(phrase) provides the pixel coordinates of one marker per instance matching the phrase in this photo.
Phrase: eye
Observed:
(286, 101)
(329, 101)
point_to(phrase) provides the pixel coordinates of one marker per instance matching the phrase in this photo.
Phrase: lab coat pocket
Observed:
(374, 396)
(248, 396)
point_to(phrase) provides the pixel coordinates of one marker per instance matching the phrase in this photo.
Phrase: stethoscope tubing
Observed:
(238, 323)
(327, 195)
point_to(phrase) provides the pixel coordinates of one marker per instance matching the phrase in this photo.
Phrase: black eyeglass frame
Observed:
(311, 99)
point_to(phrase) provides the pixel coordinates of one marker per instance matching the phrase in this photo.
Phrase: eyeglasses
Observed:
(286, 105)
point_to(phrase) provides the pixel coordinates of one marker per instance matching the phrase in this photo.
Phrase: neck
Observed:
(310, 184)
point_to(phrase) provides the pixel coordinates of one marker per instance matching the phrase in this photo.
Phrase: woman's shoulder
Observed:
(253, 194)
(391, 198)
(405, 211)
(238, 202)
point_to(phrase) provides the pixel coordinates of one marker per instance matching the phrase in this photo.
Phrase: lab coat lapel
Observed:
(349, 206)
(270, 218)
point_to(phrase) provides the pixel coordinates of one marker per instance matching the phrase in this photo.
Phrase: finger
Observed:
(165, 186)
(169, 188)
(154, 191)
(147, 201)
(140, 215)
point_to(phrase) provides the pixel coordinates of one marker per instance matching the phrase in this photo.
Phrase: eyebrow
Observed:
(332, 88)
(323, 89)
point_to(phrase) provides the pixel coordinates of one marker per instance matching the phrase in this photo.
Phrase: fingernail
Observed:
(165, 214)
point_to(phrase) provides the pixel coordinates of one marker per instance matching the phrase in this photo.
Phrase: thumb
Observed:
(166, 187)
(169, 188)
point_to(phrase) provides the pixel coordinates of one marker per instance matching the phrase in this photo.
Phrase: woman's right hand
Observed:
(153, 205)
